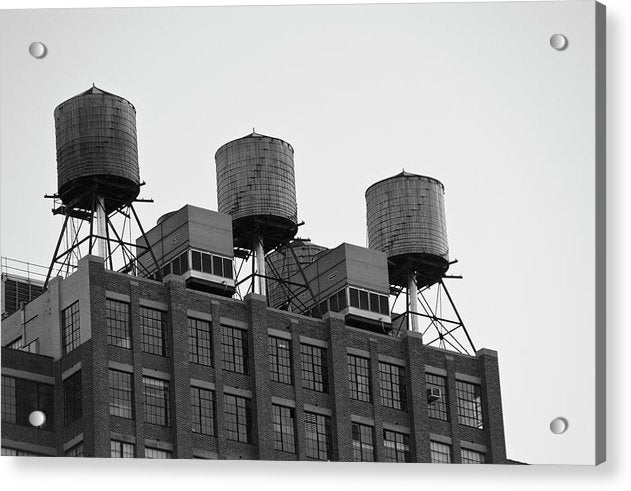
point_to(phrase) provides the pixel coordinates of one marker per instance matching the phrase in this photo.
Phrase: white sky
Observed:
(471, 94)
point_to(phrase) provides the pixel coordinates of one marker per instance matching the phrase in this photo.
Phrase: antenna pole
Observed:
(260, 266)
(101, 231)
(413, 302)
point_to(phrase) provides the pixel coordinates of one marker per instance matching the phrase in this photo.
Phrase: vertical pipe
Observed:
(100, 226)
(413, 302)
(260, 266)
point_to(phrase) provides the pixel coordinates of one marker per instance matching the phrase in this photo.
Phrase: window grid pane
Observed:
(472, 457)
(392, 386)
(438, 409)
(203, 406)
(76, 451)
(280, 360)
(284, 428)
(199, 342)
(238, 418)
(121, 394)
(363, 443)
(469, 404)
(122, 450)
(118, 323)
(157, 407)
(234, 345)
(73, 407)
(318, 436)
(397, 446)
(314, 369)
(152, 326)
(440, 452)
(359, 378)
(156, 453)
(8, 399)
(70, 327)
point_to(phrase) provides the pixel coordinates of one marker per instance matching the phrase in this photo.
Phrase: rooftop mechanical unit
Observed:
(196, 244)
(350, 280)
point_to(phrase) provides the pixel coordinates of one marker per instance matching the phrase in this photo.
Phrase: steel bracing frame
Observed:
(440, 328)
(291, 289)
(74, 242)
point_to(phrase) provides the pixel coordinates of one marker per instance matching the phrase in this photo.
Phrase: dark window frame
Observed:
(121, 388)
(396, 446)
(203, 419)
(318, 443)
(235, 349)
(156, 394)
(359, 378)
(238, 418)
(440, 453)
(469, 403)
(363, 442)
(284, 425)
(118, 318)
(153, 327)
(200, 344)
(70, 328)
(392, 386)
(73, 402)
(280, 360)
(314, 369)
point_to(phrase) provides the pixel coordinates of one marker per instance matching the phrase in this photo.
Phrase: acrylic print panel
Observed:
(480, 97)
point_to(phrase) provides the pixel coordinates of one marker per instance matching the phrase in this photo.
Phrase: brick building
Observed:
(133, 367)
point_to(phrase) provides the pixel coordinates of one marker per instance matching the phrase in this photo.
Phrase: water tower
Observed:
(98, 180)
(406, 220)
(256, 186)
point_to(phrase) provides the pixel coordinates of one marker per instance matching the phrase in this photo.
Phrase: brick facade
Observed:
(94, 356)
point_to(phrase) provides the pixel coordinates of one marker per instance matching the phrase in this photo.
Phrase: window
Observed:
(469, 404)
(199, 342)
(211, 264)
(363, 443)
(118, 322)
(14, 452)
(392, 385)
(314, 370)
(179, 265)
(121, 394)
(338, 301)
(318, 436)
(203, 407)
(32, 347)
(75, 451)
(8, 399)
(472, 456)
(437, 409)
(284, 428)
(122, 450)
(397, 446)
(238, 418)
(234, 345)
(440, 452)
(157, 453)
(152, 326)
(370, 301)
(20, 397)
(359, 378)
(70, 327)
(280, 360)
(73, 408)
(15, 344)
(157, 407)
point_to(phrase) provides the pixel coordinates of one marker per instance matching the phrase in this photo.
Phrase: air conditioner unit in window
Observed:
(434, 394)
